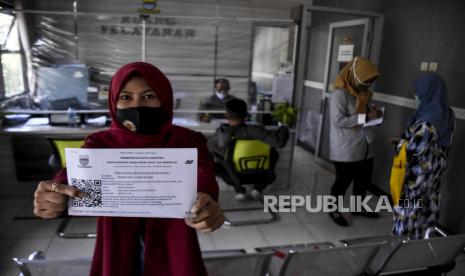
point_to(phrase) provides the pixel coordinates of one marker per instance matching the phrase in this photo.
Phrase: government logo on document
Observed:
(84, 161)
(149, 7)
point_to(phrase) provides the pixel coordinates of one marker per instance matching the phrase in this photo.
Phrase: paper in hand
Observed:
(377, 121)
(133, 182)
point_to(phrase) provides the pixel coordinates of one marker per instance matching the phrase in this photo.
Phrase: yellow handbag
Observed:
(399, 168)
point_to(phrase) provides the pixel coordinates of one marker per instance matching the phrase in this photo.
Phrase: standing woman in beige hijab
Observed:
(349, 142)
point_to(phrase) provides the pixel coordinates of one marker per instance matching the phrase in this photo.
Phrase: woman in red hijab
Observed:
(141, 107)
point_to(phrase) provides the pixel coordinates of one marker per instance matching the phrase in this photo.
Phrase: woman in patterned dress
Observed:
(428, 137)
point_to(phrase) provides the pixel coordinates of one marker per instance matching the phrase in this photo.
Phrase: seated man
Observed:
(216, 101)
(236, 113)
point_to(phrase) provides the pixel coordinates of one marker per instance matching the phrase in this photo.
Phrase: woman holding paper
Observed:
(427, 138)
(141, 107)
(349, 141)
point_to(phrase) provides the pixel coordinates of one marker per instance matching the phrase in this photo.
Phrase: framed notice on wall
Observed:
(345, 53)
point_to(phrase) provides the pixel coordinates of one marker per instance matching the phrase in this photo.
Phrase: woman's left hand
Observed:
(208, 217)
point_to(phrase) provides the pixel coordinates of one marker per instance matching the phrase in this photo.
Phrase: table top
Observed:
(82, 130)
(205, 128)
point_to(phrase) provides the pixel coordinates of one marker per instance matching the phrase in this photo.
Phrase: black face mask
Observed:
(363, 88)
(143, 120)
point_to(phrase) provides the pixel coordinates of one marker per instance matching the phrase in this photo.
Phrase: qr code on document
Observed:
(93, 190)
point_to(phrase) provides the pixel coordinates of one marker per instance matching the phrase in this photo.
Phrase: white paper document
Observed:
(282, 88)
(133, 182)
(378, 121)
(345, 53)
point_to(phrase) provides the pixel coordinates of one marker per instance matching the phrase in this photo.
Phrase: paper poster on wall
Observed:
(346, 53)
(282, 88)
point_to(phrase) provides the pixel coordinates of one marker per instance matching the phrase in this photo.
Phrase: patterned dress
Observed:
(420, 199)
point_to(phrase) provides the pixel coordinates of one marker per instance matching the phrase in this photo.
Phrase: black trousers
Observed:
(231, 177)
(226, 172)
(359, 172)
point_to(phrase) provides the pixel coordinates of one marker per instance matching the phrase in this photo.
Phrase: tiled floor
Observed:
(23, 235)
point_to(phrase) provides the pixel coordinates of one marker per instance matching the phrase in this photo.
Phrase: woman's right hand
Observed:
(51, 198)
(374, 113)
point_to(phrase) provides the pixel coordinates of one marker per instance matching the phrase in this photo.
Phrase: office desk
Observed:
(31, 150)
(48, 130)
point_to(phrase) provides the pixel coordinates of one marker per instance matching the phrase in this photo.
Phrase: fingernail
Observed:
(190, 215)
(189, 221)
(82, 195)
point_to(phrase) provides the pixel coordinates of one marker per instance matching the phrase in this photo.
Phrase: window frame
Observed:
(19, 52)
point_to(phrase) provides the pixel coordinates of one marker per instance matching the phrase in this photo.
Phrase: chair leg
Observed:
(62, 234)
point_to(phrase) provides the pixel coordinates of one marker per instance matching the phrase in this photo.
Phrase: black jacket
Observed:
(219, 142)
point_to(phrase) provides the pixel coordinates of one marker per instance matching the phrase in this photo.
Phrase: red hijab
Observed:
(154, 78)
(171, 247)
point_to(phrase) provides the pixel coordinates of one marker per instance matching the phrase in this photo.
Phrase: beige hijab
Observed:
(356, 72)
